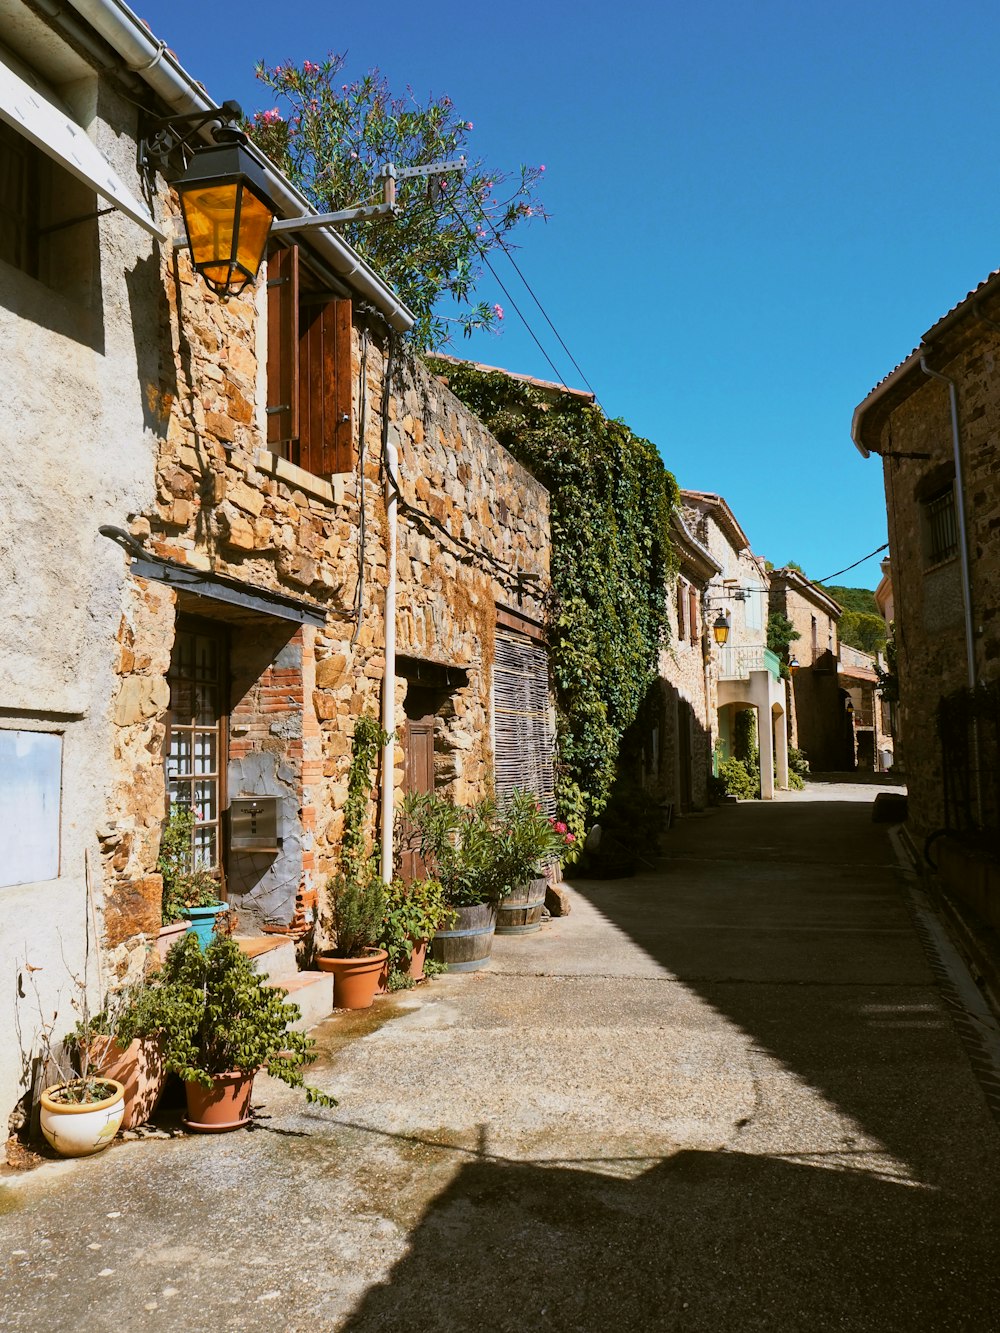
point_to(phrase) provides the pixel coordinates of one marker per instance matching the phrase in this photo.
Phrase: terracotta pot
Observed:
(355, 980)
(417, 957)
(77, 1130)
(224, 1106)
(140, 1070)
(415, 970)
(168, 936)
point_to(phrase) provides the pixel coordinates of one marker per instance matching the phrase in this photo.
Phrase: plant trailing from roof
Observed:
(332, 137)
(610, 502)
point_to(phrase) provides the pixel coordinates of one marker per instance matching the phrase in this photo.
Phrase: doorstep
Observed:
(273, 957)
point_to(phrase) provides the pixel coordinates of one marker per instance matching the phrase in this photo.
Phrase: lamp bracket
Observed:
(332, 219)
(170, 135)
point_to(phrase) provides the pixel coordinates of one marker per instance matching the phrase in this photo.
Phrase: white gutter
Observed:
(890, 382)
(389, 675)
(149, 58)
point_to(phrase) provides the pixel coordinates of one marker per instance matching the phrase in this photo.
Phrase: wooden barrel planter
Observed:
(521, 911)
(469, 942)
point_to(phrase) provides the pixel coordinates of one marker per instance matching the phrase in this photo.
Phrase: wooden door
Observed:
(418, 768)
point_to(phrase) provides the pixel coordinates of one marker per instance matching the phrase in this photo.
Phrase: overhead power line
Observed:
(514, 306)
(504, 247)
(878, 550)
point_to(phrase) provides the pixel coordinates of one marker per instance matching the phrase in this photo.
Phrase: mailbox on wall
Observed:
(253, 824)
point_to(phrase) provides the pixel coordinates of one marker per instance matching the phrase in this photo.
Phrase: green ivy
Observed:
(611, 499)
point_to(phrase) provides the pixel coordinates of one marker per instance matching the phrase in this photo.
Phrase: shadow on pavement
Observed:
(788, 920)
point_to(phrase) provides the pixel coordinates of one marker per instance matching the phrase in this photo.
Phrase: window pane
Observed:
(205, 801)
(179, 758)
(205, 857)
(205, 751)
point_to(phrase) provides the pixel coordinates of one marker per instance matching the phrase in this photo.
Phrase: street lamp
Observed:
(227, 212)
(720, 628)
(794, 665)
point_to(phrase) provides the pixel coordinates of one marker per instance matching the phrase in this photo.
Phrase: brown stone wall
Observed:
(686, 682)
(472, 535)
(930, 633)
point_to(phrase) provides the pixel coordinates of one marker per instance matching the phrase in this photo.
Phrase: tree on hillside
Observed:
(853, 599)
(863, 631)
(331, 138)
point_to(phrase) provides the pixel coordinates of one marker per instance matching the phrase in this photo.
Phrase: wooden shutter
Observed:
(693, 614)
(326, 436)
(681, 632)
(524, 744)
(283, 346)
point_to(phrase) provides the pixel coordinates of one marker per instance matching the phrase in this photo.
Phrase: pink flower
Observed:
(468, 124)
(309, 67)
(542, 167)
(570, 838)
(559, 826)
(354, 155)
(498, 311)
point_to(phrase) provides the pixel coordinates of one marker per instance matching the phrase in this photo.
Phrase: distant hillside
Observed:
(861, 625)
(853, 599)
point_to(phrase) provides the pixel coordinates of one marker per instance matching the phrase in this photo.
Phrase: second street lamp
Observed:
(720, 628)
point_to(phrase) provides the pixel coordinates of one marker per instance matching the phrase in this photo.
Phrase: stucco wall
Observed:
(77, 445)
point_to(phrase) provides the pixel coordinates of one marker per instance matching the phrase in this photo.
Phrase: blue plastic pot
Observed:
(201, 922)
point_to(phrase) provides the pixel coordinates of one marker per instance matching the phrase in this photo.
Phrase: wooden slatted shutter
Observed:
(326, 436)
(524, 744)
(283, 347)
(681, 599)
(693, 614)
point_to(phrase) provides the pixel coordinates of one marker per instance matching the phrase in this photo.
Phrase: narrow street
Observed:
(724, 1095)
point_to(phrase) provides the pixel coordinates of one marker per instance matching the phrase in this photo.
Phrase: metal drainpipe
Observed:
(389, 677)
(963, 552)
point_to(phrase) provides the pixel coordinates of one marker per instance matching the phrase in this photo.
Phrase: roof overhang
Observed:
(35, 112)
(870, 415)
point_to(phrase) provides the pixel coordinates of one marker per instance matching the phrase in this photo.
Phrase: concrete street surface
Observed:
(724, 1095)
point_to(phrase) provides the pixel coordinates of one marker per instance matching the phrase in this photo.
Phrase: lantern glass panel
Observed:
(210, 218)
(255, 227)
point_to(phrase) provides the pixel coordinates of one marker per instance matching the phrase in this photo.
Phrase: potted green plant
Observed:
(356, 907)
(414, 912)
(529, 843)
(460, 847)
(190, 896)
(220, 1023)
(114, 1044)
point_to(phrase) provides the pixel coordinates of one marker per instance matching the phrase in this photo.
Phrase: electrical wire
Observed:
(504, 247)
(878, 550)
(514, 306)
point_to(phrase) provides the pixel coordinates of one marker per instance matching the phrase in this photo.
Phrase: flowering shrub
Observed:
(332, 139)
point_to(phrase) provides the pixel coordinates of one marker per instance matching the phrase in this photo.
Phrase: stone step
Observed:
(273, 956)
(313, 993)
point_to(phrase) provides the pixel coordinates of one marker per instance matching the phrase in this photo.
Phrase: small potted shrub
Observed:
(529, 841)
(220, 1023)
(460, 847)
(356, 907)
(113, 1043)
(414, 912)
(190, 897)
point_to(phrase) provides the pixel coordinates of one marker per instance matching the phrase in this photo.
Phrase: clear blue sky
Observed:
(756, 208)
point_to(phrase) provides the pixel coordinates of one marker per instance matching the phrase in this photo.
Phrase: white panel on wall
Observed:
(30, 797)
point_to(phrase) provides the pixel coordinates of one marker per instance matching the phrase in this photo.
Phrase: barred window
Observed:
(940, 525)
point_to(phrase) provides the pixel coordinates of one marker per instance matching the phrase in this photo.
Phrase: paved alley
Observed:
(724, 1095)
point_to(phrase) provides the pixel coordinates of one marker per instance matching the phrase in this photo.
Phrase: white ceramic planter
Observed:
(78, 1131)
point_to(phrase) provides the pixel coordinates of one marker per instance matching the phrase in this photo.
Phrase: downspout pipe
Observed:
(963, 541)
(389, 679)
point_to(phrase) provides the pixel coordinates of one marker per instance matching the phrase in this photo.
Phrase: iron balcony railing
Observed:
(737, 660)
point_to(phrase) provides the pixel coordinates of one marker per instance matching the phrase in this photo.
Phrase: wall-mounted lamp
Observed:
(849, 705)
(227, 212)
(720, 628)
(793, 665)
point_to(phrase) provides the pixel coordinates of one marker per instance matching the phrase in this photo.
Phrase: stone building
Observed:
(821, 725)
(933, 421)
(704, 685)
(198, 515)
(682, 756)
